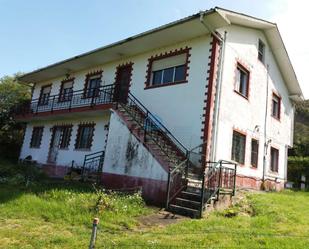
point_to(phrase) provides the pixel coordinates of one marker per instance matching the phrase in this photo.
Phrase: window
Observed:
(274, 159)
(65, 136)
(44, 95)
(254, 153)
(36, 137)
(84, 136)
(276, 106)
(242, 81)
(261, 51)
(238, 147)
(92, 86)
(66, 90)
(168, 69)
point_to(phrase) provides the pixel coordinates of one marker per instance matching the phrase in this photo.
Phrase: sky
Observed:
(36, 33)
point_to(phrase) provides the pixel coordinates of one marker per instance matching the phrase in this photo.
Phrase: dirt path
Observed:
(160, 219)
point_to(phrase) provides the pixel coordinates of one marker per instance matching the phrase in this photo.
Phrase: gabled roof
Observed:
(168, 34)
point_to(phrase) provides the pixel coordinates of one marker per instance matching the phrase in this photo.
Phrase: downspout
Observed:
(219, 73)
(266, 143)
(218, 100)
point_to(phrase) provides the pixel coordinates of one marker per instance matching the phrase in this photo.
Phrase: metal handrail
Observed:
(79, 98)
(73, 92)
(218, 166)
(157, 122)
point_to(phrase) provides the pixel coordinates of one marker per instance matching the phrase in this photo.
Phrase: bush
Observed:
(298, 166)
(19, 173)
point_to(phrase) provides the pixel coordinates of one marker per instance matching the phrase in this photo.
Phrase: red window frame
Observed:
(274, 95)
(254, 154)
(36, 137)
(244, 135)
(63, 97)
(240, 67)
(151, 60)
(274, 162)
(96, 91)
(43, 100)
(78, 142)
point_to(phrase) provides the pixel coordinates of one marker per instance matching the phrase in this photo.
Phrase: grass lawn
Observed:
(59, 214)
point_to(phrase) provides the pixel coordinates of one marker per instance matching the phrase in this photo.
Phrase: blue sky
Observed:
(36, 33)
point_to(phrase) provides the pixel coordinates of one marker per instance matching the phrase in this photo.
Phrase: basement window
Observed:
(84, 136)
(276, 106)
(242, 81)
(254, 153)
(261, 51)
(36, 138)
(274, 159)
(239, 147)
(168, 69)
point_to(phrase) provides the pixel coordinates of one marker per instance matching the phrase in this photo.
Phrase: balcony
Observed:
(73, 101)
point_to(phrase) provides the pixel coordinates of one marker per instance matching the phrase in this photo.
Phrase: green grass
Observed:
(58, 214)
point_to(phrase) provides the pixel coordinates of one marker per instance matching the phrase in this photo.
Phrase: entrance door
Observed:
(54, 146)
(123, 77)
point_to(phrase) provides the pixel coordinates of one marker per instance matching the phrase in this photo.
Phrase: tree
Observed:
(12, 94)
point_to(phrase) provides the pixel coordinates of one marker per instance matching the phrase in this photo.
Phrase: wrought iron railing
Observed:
(74, 99)
(176, 181)
(154, 130)
(178, 177)
(93, 163)
(218, 177)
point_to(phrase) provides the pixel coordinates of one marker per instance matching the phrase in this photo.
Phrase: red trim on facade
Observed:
(160, 56)
(245, 67)
(277, 164)
(79, 129)
(274, 94)
(258, 144)
(167, 84)
(210, 97)
(244, 134)
(60, 99)
(41, 92)
(98, 73)
(121, 66)
(64, 111)
(153, 191)
(246, 182)
(32, 137)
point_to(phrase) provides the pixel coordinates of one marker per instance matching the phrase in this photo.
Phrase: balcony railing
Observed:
(74, 99)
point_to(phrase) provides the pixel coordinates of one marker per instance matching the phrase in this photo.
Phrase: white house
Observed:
(218, 82)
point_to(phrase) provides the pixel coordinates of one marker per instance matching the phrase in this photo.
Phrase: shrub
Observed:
(298, 166)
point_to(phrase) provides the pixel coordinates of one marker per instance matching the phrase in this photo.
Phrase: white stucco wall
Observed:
(65, 156)
(125, 155)
(242, 114)
(180, 107)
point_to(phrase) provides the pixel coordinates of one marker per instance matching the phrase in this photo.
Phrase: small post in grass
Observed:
(94, 233)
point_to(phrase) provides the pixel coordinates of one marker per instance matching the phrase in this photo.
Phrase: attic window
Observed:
(261, 51)
(168, 69)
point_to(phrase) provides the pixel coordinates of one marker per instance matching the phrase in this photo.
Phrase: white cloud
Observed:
(290, 15)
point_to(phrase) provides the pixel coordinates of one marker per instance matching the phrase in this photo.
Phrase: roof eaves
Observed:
(134, 37)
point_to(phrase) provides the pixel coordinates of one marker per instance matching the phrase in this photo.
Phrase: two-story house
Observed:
(168, 107)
